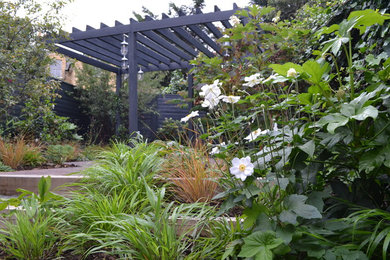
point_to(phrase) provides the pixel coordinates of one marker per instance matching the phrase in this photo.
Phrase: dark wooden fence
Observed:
(166, 106)
(68, 106)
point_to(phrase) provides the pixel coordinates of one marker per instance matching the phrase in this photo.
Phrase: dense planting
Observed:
(291, 162)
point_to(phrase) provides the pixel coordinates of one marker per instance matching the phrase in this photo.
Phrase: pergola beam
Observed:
(155, 25)
(87, 60)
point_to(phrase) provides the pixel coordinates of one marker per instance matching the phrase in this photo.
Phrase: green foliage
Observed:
(34, 233)
(59, 154)
(33, 157)
(90, 152)
(162, 234)
(125, 167)
(222, 242)
(171, 130)
(96, 92)
(5, 168)
(149, 88)
(313, 130)
(26, 92)
(177, 83)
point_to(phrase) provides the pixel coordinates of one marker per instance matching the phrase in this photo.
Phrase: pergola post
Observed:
(118, 95)
(133, 82)
(190, 85)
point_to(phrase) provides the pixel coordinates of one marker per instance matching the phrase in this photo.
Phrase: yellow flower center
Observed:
(241, 167)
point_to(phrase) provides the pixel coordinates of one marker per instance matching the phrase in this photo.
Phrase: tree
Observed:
(26, 93)
(288, 8)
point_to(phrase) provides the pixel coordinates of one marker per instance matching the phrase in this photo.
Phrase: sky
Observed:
(80, 13)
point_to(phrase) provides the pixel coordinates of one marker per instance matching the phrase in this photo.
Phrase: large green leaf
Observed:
(315, 70)
(347, 25)
(252, 214)
(308, 148)
(327, 30)
(282, 69)
(366, 112)
(334, 44)
(296, 203)
(259, 245)
(287, 216)
(338, 120)
(367, 18)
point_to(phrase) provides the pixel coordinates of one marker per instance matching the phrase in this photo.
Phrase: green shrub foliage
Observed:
(305, 137)
(26, 91)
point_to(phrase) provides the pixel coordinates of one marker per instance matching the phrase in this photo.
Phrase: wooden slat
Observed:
(87, 60)
(204, 37)
(166, 33)
(153, 54)
(89, 49)
(225, 22)
(165, 44)
(154, 25)
(156, 47)
(183, 33)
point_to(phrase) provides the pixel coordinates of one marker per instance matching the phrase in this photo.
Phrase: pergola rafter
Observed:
(154, 45)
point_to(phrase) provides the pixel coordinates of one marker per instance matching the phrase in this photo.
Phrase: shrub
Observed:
(90, 152)
(5, 168)
(33, 156)
(59, 154)
(171, 130)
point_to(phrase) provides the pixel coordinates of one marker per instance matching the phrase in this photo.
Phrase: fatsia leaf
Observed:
(347, 109)
(308, 148)
(252, 214)
(259, 245)
(347, 25)
(315, 70)
(296, 203)
(367, 18)
(333, 121)
(327, 30)
(307, 211)
(282, 69)
(287, 216)
(366, 112)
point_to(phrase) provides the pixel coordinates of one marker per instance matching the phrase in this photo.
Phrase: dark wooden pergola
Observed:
(153, 45)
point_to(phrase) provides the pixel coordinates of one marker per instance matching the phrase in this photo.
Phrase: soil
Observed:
(47, 166)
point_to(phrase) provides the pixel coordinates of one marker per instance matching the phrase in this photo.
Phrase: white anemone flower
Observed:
(276, 19)
(211, 89)
(234, 20)
(189, 116)
(215, 150)
(253, 135)
(253, 80)
(275, 127)
(292, 73)
(242, 168)
(210, 101)
(230, 99)
(270, 78)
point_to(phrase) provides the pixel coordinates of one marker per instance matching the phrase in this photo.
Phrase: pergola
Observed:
(153, 45)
